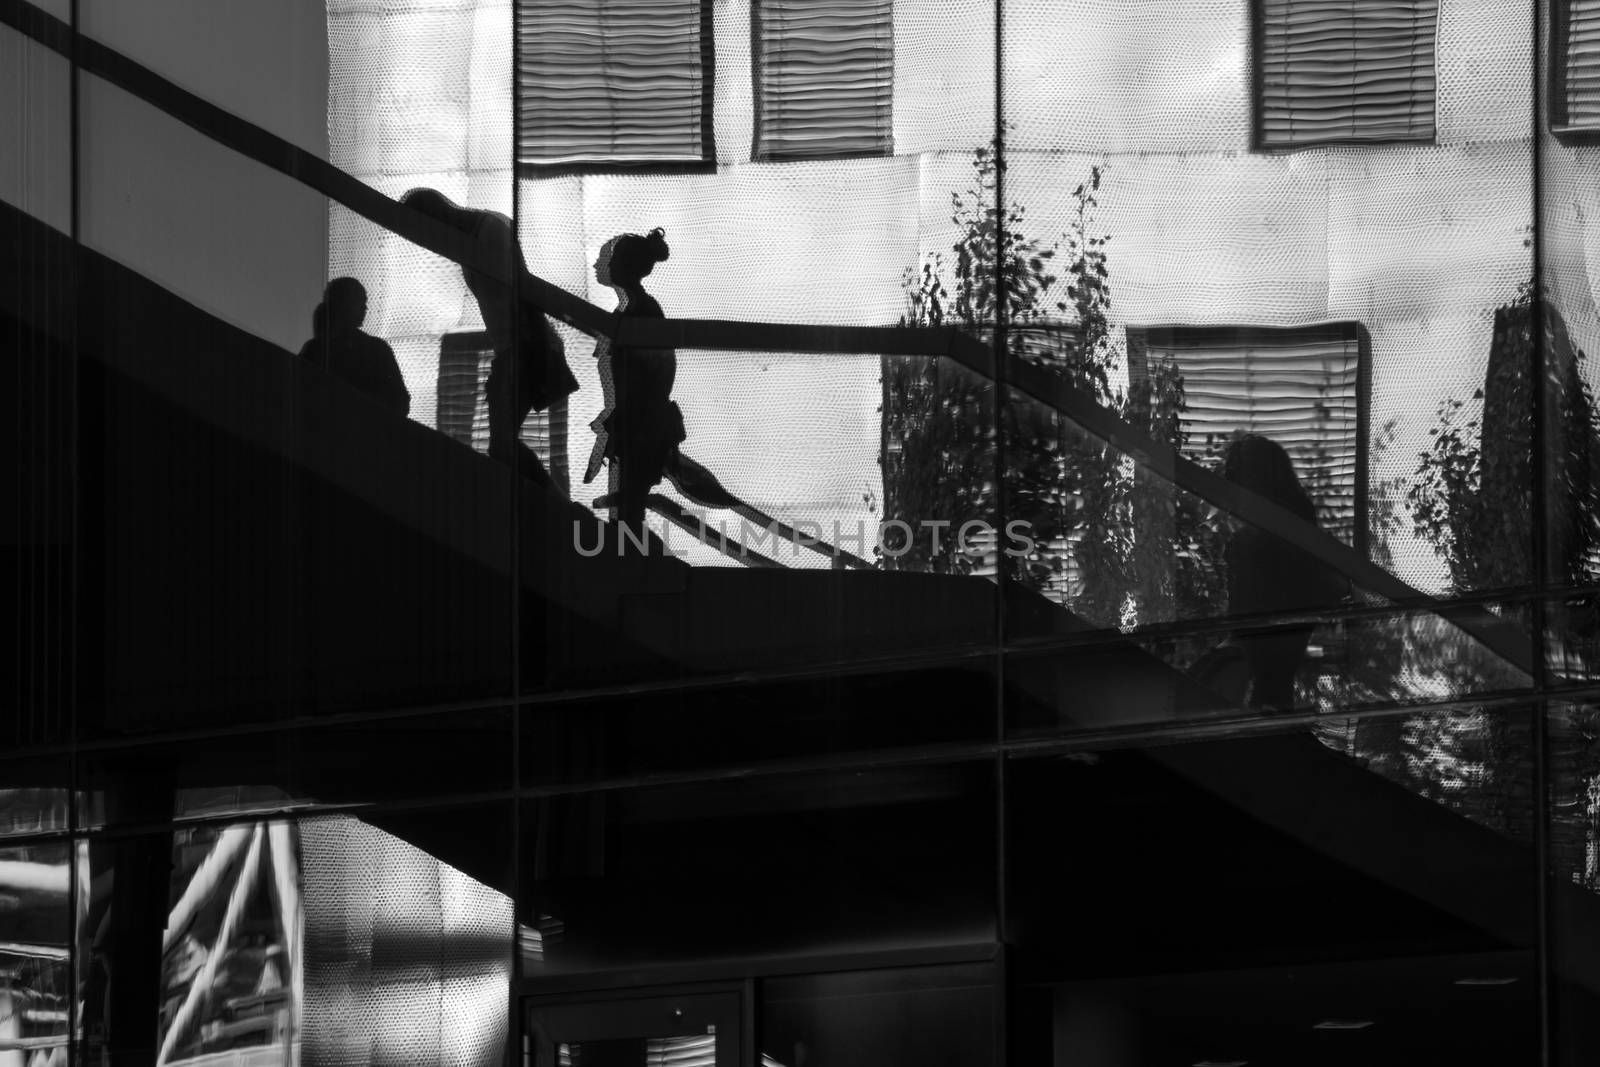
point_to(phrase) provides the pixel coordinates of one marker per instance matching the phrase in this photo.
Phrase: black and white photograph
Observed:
(801, 533)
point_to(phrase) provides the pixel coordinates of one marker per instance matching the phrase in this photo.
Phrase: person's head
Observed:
(343, 308)
(346, 301)
(627, 258)
(1261, 465)
(434, 204)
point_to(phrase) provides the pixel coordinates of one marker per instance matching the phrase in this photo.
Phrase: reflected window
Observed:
(675, 1030)
(35, 969)
(929, 1016)
(230, 952)
(463, 403)
(1335, 72)
(824, 76)
(1303, 387)
(614, 83)
(32, 811)
(1575, 89)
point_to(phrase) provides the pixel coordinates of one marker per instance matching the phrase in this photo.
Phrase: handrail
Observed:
(731, 547)
(1038, 384)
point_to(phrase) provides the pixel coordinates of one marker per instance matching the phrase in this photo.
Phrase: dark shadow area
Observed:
(1265, 900)
(838, 861)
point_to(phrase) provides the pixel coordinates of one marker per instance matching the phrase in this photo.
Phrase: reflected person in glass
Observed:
(537, 376)
(1266, 574)
(339, 346)
(640, 428)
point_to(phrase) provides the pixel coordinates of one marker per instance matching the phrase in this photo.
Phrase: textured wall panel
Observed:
(1485, 65)
(944, 90)
(804, 242)
(407, 959)
(1115, 76)
(1225, 239)
(1418, 232)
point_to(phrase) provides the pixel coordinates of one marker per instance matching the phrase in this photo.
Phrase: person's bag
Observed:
(544, 363)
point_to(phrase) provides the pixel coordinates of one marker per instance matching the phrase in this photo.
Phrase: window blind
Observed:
(613, 82)
(824, 73)
(462, 404)
(1339, 71)
(1580, 93)
(1302, 387)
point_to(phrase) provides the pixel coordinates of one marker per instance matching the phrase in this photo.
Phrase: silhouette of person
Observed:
(518, 330)
(1266, 574)
(640, 428)
(339, 346)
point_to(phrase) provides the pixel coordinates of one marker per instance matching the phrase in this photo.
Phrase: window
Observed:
(1575, 72)
(1304, 387)
(614, 83)
(1341, 72)
(824, 78)
(462, 410)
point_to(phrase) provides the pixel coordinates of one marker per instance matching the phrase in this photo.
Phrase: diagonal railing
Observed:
(258, 144)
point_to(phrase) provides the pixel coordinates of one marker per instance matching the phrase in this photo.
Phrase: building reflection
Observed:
(1118, 523)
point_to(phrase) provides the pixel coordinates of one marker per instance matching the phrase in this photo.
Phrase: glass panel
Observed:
(33, 795)
(771, 425)
(1310, 622)
(683, 729)
(36, 998)
(409, 937)
(741, 868)
(128, 991)
(1366, 887)
(275, 535)
(1573, 814)
(1568, 313)
(1571, 324)
(403, 760)
(803, 478)
(1364, 307)
(924, 1015)
(333, 936)
(1114, 544)
(1472, 1008)
(208, 57)
(36, 122)
(36, 322)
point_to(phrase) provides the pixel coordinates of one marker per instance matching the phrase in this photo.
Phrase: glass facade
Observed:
(793, 533)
